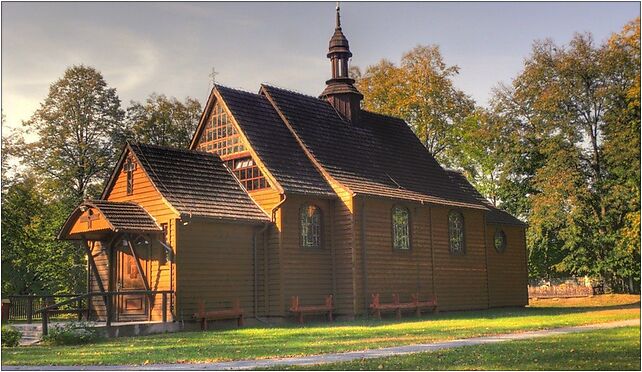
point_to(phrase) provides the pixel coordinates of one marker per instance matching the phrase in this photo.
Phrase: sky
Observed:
(171, 48)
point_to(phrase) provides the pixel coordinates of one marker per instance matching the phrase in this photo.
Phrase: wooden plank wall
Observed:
(158, 269)
(460, 280)
(102, 263)
(215, 264)
(343, 239)
(394, 271)
(307, 272)
(144, 194)
(270, 280)
(507, 272)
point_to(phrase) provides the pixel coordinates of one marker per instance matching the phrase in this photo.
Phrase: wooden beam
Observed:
(138, 265)
(99, 281)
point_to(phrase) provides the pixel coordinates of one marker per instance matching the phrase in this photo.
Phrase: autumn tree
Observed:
(162, 121)
(567, 164)
(421, 91)
(75, 127)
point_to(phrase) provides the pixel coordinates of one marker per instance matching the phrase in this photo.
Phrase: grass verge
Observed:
(611, 349)
(292, 340)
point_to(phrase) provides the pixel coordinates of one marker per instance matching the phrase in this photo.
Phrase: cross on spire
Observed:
(338, 17)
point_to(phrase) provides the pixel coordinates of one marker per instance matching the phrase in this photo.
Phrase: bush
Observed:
(72, 333)
(10, 336)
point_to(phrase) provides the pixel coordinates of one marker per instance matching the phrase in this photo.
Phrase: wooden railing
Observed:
(24, 307)
(45, 308)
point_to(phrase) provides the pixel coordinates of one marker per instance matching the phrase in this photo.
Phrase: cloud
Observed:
(35, 58)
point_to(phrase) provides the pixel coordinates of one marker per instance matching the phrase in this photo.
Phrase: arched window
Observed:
(500, 241)
(310, 219)
(456, 240)
(400, 228)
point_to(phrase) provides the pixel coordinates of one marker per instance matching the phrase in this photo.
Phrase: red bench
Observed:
(377, 307)
(234, 313)
(428, 304)
(298, 310)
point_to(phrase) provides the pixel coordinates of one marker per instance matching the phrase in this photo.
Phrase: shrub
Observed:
(71, 333)
(10, 336)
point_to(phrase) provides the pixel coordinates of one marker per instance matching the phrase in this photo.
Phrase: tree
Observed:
(33, 261)
(574, 115)
(420, 90)
(75, 126)
(163, 121)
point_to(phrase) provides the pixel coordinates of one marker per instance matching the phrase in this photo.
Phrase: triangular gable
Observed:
(153, 199)
(214, 98)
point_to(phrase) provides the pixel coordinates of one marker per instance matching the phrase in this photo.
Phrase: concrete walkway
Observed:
(347, 356)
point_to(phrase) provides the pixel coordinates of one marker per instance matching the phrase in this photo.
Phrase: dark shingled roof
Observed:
(379, 156)
(122, 216)
(125, 216)
(197, 183)
(274, 143)
(494, 214)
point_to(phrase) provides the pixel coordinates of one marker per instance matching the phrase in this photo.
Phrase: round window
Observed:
(500, 241)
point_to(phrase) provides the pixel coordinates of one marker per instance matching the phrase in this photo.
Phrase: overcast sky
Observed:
(171, 48)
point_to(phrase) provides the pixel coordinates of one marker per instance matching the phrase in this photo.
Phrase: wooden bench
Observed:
(234, 313)
(429, 304)
(377, 307)
(298, 310)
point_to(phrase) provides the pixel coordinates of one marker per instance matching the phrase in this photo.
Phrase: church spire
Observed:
(340, 90)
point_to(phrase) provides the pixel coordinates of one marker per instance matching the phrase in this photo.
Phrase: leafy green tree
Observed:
(421, 91)
(33, 261)
(163, 121)
(574, 116)
(75, 127)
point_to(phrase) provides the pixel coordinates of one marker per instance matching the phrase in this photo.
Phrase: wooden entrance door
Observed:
(128, 278)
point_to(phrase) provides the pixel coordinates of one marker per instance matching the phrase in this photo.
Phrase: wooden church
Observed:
(284, 195)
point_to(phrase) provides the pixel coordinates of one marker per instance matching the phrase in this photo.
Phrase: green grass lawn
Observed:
(611, 349)
(293, 340)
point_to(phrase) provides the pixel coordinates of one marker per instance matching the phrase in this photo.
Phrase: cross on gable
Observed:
(89, 217)
(129, 165)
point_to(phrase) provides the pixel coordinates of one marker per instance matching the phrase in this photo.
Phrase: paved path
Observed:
(344, 357)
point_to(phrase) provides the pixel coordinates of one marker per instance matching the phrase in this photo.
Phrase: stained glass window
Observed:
(500, 241)
(456, 233)
(310, 227)
(400, 228)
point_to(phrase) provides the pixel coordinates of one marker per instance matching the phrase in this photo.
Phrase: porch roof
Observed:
(96, 217)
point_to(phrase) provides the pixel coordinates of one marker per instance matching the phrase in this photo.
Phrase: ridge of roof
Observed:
(235, 89)
(364, 158)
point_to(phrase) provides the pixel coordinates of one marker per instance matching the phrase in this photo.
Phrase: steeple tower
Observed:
(340, 91)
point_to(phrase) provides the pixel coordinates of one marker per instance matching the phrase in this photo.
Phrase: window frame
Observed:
(129, 168)
(392, 227)
(501, 231)
(318, 209)
(463, 250)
